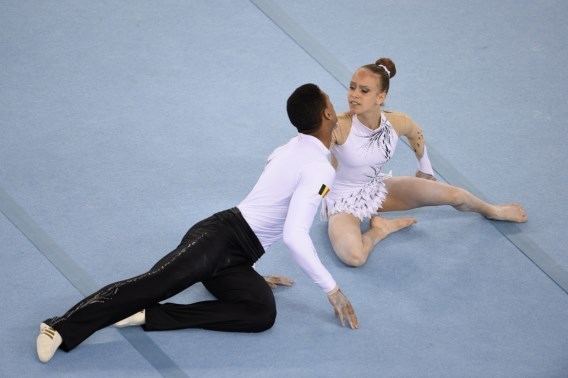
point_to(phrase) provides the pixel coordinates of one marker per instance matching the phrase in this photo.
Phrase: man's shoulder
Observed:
(302, 155)
(280, 150)
(319, 168)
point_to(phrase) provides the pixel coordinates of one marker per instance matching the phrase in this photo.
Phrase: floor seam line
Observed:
(81, 280)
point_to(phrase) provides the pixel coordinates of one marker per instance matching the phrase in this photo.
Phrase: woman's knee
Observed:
(352, 255)
(346, 238)
(456, 197)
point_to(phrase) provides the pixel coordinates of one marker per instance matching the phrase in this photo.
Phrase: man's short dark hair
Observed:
(305, 107)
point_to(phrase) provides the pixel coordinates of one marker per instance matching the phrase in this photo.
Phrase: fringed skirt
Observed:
(362, 202)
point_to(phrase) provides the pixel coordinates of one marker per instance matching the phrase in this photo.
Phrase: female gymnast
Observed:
(365, 139)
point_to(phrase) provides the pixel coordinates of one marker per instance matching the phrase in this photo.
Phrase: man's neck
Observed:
(324, 135)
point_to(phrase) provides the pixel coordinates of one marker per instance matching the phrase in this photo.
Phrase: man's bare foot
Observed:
(388, 226)
(513, 212)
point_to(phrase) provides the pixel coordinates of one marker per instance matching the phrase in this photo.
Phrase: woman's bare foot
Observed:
(388, 226)
(513, 212)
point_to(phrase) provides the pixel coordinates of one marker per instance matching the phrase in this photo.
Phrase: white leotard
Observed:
(359, 187)
(285, 199)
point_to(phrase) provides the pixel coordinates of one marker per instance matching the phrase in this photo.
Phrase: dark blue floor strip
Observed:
(81, 280)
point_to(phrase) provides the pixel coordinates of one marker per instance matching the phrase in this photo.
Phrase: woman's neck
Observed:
(370, 119)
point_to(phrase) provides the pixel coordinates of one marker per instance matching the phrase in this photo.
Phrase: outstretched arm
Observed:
(406, 127)
(343, 308)
(303, 207)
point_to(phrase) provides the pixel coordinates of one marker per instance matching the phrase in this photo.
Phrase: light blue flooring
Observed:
(124, 123)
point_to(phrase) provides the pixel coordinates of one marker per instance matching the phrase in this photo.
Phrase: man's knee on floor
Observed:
(263, 316)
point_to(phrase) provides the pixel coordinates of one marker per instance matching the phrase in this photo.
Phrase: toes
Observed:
(409, 221)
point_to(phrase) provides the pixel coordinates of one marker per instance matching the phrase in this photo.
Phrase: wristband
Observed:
(424, 164)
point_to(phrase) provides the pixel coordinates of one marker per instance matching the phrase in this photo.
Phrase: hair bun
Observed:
(389, 64)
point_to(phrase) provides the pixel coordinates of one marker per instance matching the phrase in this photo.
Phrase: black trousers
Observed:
(218, 251)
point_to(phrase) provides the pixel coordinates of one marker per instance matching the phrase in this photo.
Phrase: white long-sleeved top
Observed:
(285, 199)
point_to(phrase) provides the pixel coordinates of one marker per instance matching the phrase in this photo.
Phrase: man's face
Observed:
(329, 110)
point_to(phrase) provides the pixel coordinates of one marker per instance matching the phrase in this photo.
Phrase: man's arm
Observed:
(313, 185)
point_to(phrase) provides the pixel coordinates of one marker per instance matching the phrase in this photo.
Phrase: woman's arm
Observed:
(405, 126)
(340, 133)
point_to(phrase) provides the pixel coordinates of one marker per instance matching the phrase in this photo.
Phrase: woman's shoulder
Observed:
(399, 120)
(397, 117)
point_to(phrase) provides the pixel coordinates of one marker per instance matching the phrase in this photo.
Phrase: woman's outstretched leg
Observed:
(405, 193)
(354, 247)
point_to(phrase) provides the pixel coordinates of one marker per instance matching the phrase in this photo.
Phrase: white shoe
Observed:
(133, 320)
(47, 342)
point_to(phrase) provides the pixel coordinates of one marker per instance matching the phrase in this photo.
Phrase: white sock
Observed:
(47, 342)
(133, 320)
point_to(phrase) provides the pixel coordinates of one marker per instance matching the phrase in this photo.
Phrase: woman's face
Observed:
(363, 94)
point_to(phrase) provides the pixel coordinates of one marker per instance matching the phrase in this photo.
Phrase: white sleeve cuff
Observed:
(424, 164)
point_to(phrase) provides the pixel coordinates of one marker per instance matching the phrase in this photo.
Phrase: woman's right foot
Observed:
(388, 226)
